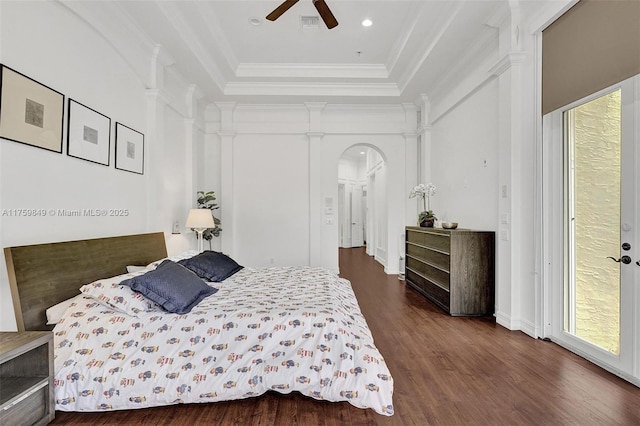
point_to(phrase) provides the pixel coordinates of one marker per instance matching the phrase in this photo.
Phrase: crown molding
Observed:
(127, 39)
(413, 68)
(311, 89)
(401, 44)
(192, 41)
(213, 27)
(507, 61)
(158, 95)
(485, 46)
(315, 106)
(363, 71)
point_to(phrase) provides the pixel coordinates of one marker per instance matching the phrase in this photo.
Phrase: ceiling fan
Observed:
(326, 15)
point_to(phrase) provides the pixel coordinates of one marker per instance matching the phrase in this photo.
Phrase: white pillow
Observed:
(134, 268)
(55, 312)
(109, 292)
(175, 258)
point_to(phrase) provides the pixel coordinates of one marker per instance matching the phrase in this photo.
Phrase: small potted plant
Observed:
(206, 200)
(426, 218)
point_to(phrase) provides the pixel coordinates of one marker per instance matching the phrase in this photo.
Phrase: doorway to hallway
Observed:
(362, 201)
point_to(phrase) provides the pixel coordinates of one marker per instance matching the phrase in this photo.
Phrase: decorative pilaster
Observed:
(154, 158)
(158, 215)
(319, 217)
(511, 175)
(424, 135)
(192, 148)
(411, 158)
(226, 134)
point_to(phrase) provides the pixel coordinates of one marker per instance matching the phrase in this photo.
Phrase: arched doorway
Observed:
(362, 201)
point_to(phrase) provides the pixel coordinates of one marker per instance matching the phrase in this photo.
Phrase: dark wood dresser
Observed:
(455, 269)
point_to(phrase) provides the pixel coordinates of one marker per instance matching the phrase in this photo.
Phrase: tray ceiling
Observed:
(231, 52)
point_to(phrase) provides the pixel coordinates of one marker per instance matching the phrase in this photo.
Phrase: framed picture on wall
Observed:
(129, 149)
(88, 134)
(30, 112)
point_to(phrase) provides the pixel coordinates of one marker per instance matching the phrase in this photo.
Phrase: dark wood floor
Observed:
(447, 371)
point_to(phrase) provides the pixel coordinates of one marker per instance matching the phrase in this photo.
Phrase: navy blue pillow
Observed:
(171, 286)
(212, 265)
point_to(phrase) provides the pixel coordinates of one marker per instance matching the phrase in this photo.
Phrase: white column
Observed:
(424, 129)
(411, 173)
(226, 135)
(317, 212)
(510, 244)
(192, 150)
(158, 218)
(154, 158)
(424, 172)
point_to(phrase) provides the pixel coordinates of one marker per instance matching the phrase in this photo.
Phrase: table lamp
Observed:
(200, 220)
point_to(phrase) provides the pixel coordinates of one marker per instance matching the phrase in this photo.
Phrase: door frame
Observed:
(627, 365)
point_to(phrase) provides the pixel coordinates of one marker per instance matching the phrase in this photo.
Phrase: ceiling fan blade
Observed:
(326, 15)
(278, 11)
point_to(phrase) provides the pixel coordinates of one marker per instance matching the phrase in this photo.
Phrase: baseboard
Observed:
(506, 321)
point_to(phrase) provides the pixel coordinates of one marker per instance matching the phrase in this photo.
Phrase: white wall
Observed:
(283, 175)
(271, 200)
(464, 161)
(488, 108)
(47, 42)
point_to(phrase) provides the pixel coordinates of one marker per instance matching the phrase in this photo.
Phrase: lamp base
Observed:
(200, 240)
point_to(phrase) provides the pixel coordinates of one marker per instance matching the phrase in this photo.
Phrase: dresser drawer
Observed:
(428, 288)
(28, 410)
(435, 258)
(432, 239)
(434, 274)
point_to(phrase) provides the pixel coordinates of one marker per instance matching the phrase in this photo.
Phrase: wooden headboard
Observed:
(45, 274)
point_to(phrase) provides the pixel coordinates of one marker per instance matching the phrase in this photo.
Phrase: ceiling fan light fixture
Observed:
(320, 5)
(309, 22)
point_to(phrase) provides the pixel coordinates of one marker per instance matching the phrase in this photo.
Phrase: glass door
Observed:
(593, 183)
(596, 290)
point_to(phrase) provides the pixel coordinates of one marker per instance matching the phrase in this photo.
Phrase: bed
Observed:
(260, 330)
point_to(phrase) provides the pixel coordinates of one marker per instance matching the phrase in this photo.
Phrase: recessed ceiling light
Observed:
(367, 23)
(361, 152)
(255, 21)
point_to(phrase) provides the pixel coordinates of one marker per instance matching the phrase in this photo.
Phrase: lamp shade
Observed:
(200, 219)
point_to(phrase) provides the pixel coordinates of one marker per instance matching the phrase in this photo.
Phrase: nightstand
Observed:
(26, 378)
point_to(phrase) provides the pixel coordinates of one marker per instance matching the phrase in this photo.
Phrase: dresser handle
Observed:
(25, 396)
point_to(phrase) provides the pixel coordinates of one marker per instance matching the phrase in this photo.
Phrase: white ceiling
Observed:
(411, 46)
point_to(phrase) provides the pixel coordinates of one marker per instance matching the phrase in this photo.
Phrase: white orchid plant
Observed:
(425, 192)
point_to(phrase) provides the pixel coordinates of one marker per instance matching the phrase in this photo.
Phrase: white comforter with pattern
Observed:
(281, 329)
